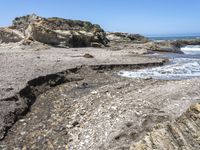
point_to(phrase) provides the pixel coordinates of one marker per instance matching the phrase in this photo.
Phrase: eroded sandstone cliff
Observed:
(54, 31)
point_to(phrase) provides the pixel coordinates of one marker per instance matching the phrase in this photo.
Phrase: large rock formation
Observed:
(183, 133)
(58, 32)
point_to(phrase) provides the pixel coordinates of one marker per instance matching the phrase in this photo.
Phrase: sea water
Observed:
(181, 66)
(173, 38)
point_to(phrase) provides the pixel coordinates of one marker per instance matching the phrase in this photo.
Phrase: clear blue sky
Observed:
(148, 17)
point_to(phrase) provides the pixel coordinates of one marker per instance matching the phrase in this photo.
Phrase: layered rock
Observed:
(182, 43)
(22, 23)
(134, 43)
(126, 37)
(163, 47)
(172, 46)
(59, 32)
(183, 133)
(10, 36)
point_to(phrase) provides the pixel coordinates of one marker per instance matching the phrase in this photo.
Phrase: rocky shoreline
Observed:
(89, 107)
(127, 109)
(23, 100)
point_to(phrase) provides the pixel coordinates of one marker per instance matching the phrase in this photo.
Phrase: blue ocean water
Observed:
(173, 38)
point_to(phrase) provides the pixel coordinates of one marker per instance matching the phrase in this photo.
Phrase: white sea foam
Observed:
(181, 68)
(191, 49)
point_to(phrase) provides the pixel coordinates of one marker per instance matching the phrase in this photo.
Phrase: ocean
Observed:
(173, 38)
(181, 66)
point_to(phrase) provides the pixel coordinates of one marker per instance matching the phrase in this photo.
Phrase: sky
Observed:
(147, 17)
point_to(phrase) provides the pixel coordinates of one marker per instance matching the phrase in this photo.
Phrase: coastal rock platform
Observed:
(53, 96)
(48, 102)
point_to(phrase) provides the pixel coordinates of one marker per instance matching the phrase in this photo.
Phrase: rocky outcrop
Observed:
(124, 41)
(163, 47)
(63, 38)
(44, 35)
(182, 43)
(58, 32)
(183, 133)
(172, 46)
(125, 37)
(21, 23)
(10, 36)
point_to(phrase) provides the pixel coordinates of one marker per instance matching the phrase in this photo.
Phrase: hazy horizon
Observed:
(149, 18)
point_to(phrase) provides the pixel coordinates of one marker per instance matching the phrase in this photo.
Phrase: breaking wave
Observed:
(180, 67)
(191, 49)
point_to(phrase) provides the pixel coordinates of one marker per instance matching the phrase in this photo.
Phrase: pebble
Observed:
(75, 123)
(69, 126)
(23, 133)
(94, 92)
(21, 120)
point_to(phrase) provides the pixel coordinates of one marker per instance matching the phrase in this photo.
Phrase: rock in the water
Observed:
(182, 43)
(172, 46)
(183, 133)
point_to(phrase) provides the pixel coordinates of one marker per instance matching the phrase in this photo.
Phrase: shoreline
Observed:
(78, 107)
(35, 87)
(90, 83)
